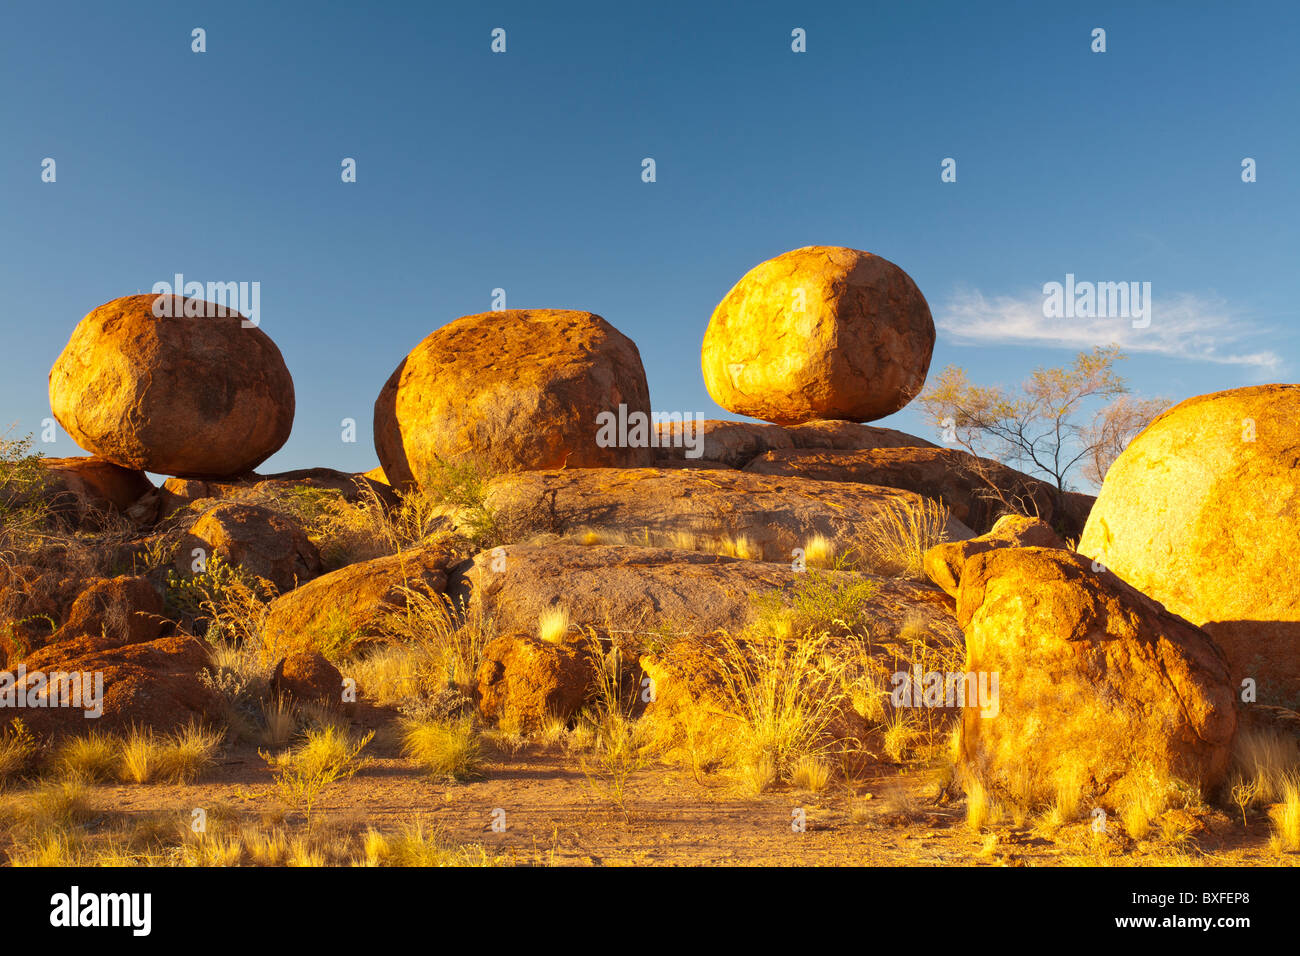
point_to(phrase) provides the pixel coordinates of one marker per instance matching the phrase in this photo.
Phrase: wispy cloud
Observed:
(1184, 326)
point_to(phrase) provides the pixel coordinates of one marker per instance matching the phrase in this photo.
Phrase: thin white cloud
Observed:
(1182, 326)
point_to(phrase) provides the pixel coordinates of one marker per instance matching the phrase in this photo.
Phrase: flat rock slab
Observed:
(976, 490)
(613, 587)
(775, 513)
(735, 444)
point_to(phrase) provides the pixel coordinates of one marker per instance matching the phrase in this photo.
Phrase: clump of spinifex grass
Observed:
(782, 696)
(304, 773)
(444, 749)
(895, 540)
(145, 756)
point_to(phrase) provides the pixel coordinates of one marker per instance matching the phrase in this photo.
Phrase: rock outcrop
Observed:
(944, 562)
(644, 590)
(344, 609)
(262, 541)
(976, 490)
(771, 514)
(1101, 692)
(523, 681)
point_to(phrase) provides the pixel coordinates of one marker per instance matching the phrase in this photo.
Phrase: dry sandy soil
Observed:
(555, 816)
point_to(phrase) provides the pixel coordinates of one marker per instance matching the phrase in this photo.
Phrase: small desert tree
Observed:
(1043, 428)
(1113, 428)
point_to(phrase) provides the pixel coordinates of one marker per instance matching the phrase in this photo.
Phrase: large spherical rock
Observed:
(177, 395)
(819, 333)
(510, 390)
(1202, 512)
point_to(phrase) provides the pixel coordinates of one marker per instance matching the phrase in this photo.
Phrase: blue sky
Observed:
(522, 171)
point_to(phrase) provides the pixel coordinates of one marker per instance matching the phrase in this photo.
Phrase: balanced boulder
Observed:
(821, 332)
(513, 389)
(1202, 512)
(199, 395)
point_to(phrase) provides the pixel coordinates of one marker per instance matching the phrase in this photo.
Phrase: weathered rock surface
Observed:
(821, 332)
(182, 492)
(344, 609)
(174, 395)
(152, 684)
(736, 444)
(262, 541)
(1202, 512)
(517, 388)
(976, 490)
(115, 611)
(1100, 688)
(944, 563)
(776, 514)
(634, 589)
(524, 682)
(100, 483)
(307, 676)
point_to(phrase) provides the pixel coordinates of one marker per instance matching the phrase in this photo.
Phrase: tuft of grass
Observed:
(1286, 817)
(418, 845)
(1265, 760)
(139, 756)
(145, 756)
(59, 803)
(900, 735)
(444, 749)
(816, 602)
(370, 527)
(462, 486)
(303, 774)
(266, 848)
(620, 744)
(979, 806)
(446, 639)
(740, 547)
(17, 749)
(810, 773)
(52, 848)
(188, 753)
(92, 757)
(897, 537)
(1067, 804)
(279, 723)
(820, 552)
(781, 697)
(553, 625)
